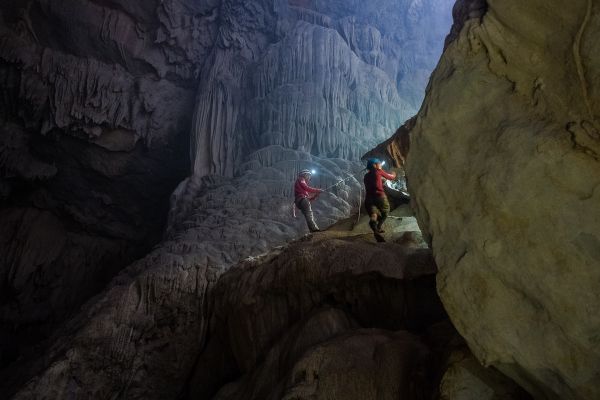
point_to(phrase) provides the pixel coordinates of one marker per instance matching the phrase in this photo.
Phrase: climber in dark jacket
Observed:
(304, 194)
(376, 201)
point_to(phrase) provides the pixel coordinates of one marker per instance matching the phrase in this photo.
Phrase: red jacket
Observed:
(301, 189)
(374, 182)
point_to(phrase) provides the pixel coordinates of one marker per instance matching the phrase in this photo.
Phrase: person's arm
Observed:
(309, 189)
(388, 176)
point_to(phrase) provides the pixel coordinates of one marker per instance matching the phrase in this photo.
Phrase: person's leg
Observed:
(372, 212)
(306, 208)
(384, 208)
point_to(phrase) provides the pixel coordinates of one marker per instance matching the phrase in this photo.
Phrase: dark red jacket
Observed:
(301, 189)
(374, 182)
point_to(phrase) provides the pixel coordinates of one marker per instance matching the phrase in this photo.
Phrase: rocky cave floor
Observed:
(335, 315)
(332, 315)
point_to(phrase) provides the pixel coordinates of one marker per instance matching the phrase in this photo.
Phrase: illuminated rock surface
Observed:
(504, 172)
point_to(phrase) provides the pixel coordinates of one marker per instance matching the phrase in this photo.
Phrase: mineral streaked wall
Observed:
(97, 100)
(329, 78)
(504, 170)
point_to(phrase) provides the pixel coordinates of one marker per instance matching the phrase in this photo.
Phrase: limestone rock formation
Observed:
(466, 379)
(326, 317)
(334, 316)
(100, 101)
(360, 364)
(329, 78)
(396, 148)
(93, 139)
(152, 317)
(504, 170)
(463, 11)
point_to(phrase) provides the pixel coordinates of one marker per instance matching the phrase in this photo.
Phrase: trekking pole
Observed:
(343, 180)
(359, 208)
(339, 183)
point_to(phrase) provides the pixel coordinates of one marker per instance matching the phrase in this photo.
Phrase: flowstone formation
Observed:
(329, 78)
(101, 99)
(504, 172)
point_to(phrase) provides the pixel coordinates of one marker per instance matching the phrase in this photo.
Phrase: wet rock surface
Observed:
(504, 172)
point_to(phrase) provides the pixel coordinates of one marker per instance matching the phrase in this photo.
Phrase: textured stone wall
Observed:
(327, 78)
(95, 99)
(504, 171)
(98, 99)
(142, 334)
(103, 106)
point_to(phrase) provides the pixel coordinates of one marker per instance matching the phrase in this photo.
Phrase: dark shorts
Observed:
(377, 205)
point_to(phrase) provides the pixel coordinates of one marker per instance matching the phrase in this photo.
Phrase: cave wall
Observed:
(94, 114)
(98, 99)
(107, 105)
(328, 78)
(503, 170)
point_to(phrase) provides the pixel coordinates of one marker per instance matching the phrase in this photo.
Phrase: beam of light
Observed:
(313, 171)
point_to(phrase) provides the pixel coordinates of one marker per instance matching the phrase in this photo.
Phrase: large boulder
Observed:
(325, 317)
(338, 316)
(466, 379)
(504, 172)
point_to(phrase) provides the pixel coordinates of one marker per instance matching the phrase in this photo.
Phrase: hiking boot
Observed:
(373, 226)
(379, 237)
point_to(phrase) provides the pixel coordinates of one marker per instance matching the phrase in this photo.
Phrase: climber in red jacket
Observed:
(376, 201)
(304, 194)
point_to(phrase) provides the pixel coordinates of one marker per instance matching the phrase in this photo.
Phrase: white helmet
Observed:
(305, 172)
